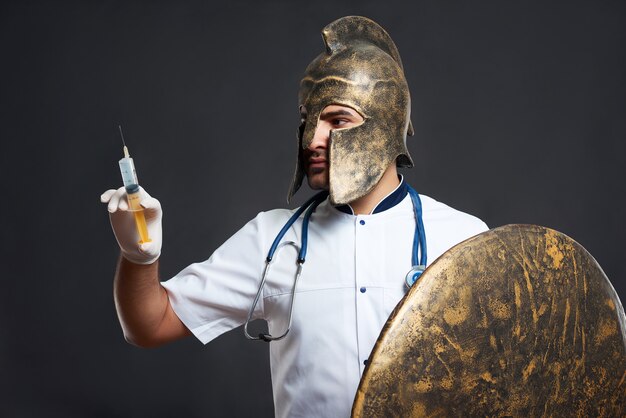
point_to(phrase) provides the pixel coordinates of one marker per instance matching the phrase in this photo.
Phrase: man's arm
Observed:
(142, 304)
(143, 307)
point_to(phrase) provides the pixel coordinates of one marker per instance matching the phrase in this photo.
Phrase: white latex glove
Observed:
(125, 230)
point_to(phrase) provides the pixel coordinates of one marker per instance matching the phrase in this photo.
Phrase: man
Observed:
(355, 106)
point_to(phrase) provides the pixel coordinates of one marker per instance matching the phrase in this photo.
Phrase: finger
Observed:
(148, 248)
(123, 203)
(150, 203)
(143, 192)
(114, 201)
(106, 196)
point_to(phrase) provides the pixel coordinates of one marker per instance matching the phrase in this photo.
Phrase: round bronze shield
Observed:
(517, 321)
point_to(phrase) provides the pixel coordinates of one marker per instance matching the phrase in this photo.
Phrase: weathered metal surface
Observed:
(361, 69)
(517, 321)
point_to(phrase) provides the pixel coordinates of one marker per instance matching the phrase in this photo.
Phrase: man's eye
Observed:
(339, 122)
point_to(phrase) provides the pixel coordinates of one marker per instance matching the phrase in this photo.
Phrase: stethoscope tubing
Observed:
(418, 259)
(419, 238)
(317, 198)
(310, 206)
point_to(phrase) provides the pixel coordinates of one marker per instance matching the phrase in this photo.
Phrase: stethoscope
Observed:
(418, 263)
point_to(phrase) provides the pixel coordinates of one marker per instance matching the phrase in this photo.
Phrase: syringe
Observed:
(129, 177)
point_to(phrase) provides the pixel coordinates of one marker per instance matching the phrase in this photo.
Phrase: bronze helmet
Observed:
(361, 69)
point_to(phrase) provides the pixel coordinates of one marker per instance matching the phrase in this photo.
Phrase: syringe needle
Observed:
(126, 154)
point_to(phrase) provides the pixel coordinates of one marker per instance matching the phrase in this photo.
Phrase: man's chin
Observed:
(318, 182)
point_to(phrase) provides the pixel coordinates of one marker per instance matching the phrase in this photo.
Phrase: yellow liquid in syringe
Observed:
(140, 220)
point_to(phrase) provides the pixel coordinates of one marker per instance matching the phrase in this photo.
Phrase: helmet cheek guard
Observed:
(361, 69)
(352, 172)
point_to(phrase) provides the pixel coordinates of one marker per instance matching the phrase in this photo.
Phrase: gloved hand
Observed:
(125, 230)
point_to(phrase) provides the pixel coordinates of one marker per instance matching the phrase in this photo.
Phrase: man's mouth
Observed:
(317, 160)
(317, 165)
(314, 161)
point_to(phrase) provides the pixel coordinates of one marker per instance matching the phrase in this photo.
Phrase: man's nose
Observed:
(321, 136)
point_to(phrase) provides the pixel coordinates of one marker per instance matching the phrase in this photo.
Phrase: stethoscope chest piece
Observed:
(413, 275)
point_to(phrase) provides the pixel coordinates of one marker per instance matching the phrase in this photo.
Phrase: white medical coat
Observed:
(352, 279)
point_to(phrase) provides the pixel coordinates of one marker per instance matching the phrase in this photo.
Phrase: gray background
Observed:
(520, 117)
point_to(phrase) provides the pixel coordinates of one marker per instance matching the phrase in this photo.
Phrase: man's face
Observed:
(315, 156)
